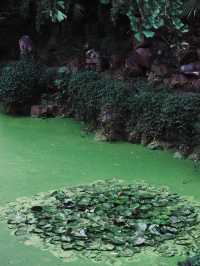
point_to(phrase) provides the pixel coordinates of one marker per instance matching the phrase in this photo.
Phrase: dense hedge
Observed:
(86, 93)
(164, 115)
(144, 108)
(158, 113)
(21, 82)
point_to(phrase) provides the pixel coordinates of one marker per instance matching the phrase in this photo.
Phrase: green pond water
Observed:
(40, 155)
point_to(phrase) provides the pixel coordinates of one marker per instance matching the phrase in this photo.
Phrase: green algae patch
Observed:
(106, 220)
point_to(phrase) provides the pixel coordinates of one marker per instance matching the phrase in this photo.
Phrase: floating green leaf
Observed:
(107, 217)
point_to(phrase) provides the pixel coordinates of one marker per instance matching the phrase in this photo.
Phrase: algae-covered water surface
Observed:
(46, 155)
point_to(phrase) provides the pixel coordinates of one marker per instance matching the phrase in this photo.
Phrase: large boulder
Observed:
(144, 57)
(192, 69)
(138, 62)
(38, 111)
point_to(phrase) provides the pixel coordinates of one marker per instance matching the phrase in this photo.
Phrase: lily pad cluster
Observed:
(108, 217)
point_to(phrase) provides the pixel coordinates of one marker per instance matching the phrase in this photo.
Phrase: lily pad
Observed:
(107, 217)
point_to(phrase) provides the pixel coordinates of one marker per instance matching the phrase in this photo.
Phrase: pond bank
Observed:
(136, 111)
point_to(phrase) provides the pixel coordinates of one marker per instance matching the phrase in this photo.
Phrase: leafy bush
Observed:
(145, 107)
(81, 94)
(22, 82)
(163, 114)
(111, 92)
(87, 93)
(178, 115)
(156, 113)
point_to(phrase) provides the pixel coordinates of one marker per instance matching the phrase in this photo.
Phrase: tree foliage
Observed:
(145, 17)
(41, 11)
(148, 16)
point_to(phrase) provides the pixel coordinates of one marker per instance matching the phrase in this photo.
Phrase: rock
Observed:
(99, 136)
(144, 57)
(52, 110)
(183, 81)
(134, 137)
(177, 80)
(155, 145)
(167, 145)
(154, 79)
(44, 111)
(178, 155)
(192, 69)
(35, 111)
(160, 70)
(160, 145)
(92, 61)
(145, 139)
(195, 155)
(138, 61)
(139, 241)
(185, 150)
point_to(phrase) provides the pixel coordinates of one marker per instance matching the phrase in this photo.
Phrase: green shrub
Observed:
(111, 92)
(157, 113)
(179, 114)
(22, 82)
(163, 114)
(86, 93)
(145, 106)
(61, 83)
(81, 91)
